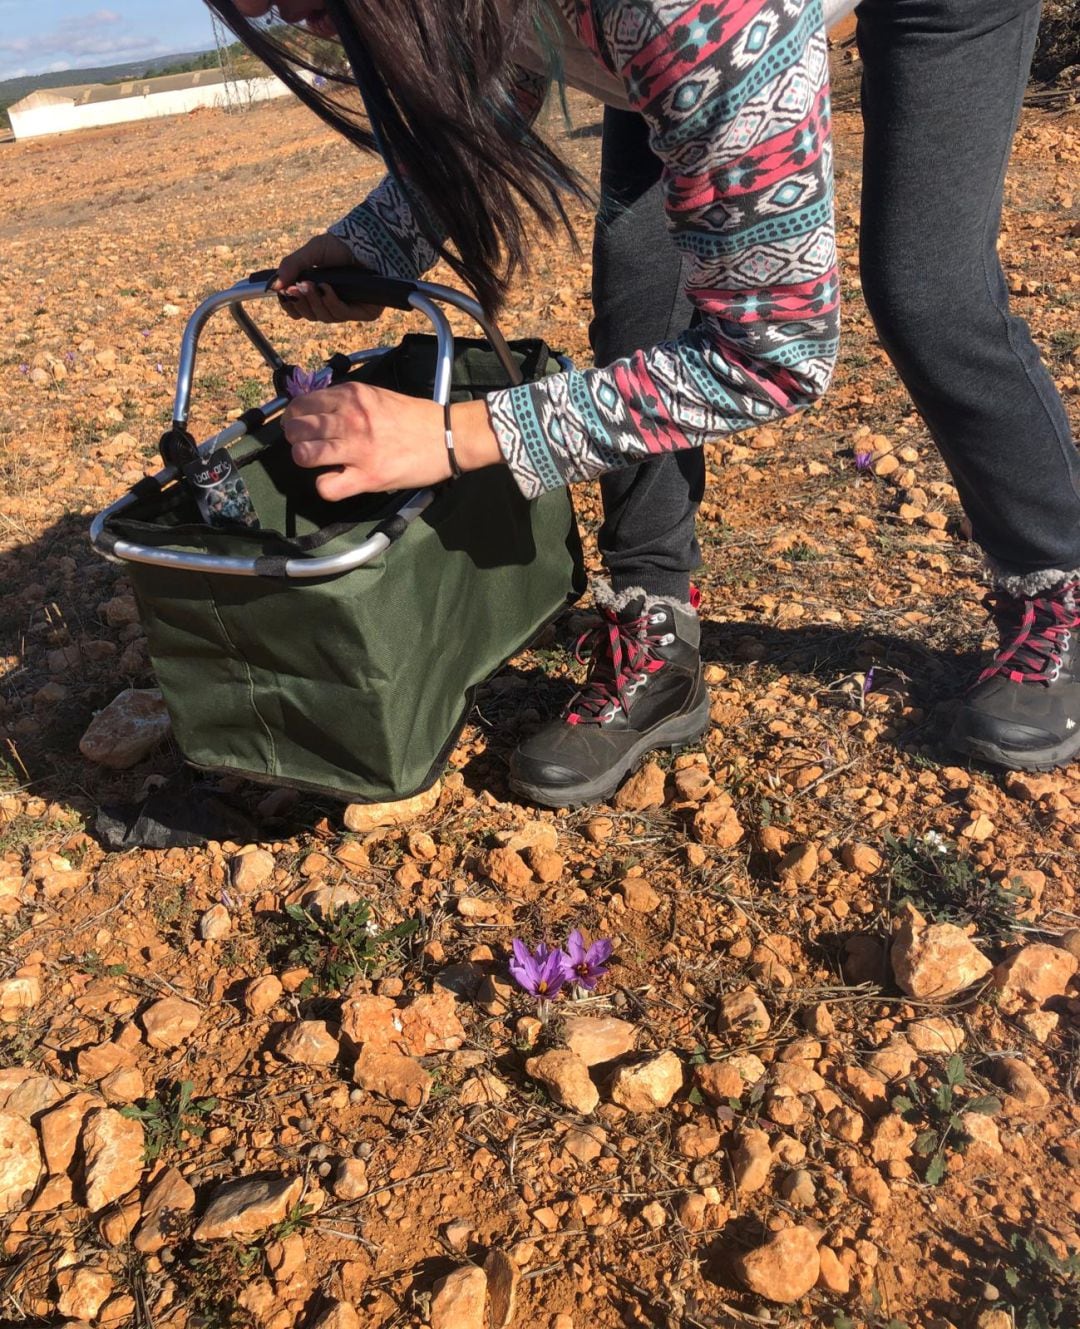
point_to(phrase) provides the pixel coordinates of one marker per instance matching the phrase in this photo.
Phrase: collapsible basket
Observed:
(337, 647)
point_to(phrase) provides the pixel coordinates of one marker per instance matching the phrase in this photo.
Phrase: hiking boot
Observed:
(644, 690)
(1024, 710)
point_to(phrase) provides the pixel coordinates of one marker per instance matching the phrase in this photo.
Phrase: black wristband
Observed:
(448, 436)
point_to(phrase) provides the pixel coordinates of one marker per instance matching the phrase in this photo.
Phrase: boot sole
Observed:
(675, 733)
(1041, 759)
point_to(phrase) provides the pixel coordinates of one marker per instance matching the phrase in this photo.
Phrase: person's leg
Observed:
(645, 688)
(943, 85)
(647, 539)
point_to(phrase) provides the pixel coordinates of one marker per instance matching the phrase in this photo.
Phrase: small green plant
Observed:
(298, 1219)
(336, 946)
(947, 887)
(801, 552)
(173, 1112)
(1043, 1288)
(938, 1112)
(252, 393)
(93, 964)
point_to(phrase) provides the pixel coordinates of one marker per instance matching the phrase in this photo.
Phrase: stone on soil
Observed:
(744, 1013)
(598, 1038)
(783, 1270)
(399, 1078)
(1020, 1083)
(252, 867)
(338, 1315)
(648, 1086)
(933, 961)
(20, 1162)
(934, 1036)
(112, 1149)
(83, 1291)
(262, 994)
(127, 730)
(360, 818)
(752, 1160)
(170, 1194)
(639, 895)
(60, 1129)
(459, 1300)
(247, 1206)
(308, 1043)
(566, 1078)
(716, 824)
(1033, 975)
(350, 1181)
(215, 924)
(170, 1022)
(644, 789)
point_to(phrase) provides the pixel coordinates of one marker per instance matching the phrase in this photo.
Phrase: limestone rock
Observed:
(338, 1315)
(459, 1300)
(249, 1205)
(83, 1290)
(22, 994)
(506, 869)
(60, 1129)
(350, 1180)
(1033, 975)
(599, 1038)
(360, 818)
(861, 858)
(719, 1081)
(833, 1277)
(639, 895)
(251, 868)
(215, 924)
(430, 1023)
(124, 1085)
(24, 1093)
(1020, 1083)
(262, 994)
(644, 789)
(743, 1013)
(399, 1078)
(752, 1160)
(648, 1086)
(892, 1139)
(170, 1194)
(308, 1043)
(934, 1036)
(127, 730)
(868, 1185)
(716, 824)
(933, 961)
(799, 864)
(784, 1269)
(170, 1022)
(697, 1140)
(20, 1162)
(566, 1077)
(112, 1149)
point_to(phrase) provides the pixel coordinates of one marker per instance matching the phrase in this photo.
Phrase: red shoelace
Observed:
(621, 656)
(1034, 632)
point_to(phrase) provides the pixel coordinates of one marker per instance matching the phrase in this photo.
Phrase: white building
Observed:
(87, 105)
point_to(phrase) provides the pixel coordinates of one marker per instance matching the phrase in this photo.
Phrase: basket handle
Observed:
(424, 297)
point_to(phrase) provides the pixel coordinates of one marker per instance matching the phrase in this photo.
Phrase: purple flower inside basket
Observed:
(302, 381)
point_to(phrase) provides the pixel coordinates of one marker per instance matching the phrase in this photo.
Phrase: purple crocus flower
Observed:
(541, 972)
(302, 381)
(862, 461)
(587, 964)
(868, 681)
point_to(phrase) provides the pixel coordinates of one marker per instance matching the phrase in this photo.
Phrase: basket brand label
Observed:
(220, 491)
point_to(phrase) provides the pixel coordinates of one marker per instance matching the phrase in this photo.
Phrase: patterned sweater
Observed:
(736, 95)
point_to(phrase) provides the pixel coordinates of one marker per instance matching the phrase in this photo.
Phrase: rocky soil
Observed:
(831, 1078)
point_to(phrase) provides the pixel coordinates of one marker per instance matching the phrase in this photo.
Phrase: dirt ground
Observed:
(921, 1152)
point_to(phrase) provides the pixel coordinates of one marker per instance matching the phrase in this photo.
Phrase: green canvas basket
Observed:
(354, 684)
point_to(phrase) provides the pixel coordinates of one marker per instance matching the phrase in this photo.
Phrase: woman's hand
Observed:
(378, 441)
(310, 300)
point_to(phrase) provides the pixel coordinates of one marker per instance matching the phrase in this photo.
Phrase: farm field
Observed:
(836, 1056)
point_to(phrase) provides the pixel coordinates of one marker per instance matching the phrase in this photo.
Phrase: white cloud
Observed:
(97, 38)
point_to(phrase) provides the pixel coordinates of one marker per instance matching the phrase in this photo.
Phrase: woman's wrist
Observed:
(475, 442)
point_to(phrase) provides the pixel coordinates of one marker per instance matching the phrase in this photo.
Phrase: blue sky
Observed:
(38, 37)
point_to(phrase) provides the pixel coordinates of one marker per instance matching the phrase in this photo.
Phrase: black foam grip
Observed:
(353, 285)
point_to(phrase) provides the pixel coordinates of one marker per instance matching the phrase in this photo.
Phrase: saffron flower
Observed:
(302, 381)
(541, 972)
(587, 964)
(862, 461)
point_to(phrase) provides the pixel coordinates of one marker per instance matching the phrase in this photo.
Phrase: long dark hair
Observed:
(434, 77)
